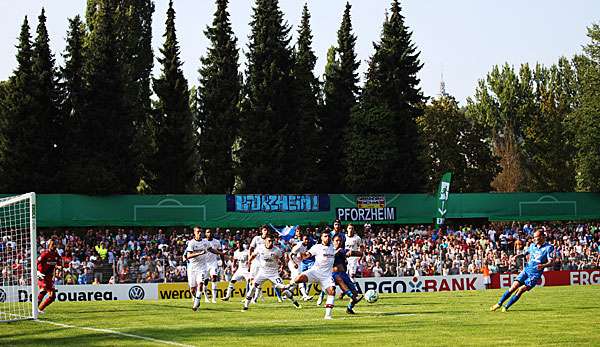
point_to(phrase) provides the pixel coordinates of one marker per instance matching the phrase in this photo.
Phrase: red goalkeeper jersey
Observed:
(47, 261)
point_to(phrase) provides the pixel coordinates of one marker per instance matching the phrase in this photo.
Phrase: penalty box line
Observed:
(114, 332)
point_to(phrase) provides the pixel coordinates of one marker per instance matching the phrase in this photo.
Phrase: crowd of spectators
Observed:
(156, 255)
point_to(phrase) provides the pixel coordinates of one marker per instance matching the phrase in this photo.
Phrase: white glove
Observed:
(40, 275)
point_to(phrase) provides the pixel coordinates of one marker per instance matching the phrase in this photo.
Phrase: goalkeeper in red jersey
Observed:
(46, 263)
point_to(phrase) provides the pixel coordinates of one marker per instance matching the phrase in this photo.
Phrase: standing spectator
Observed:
(377, 270)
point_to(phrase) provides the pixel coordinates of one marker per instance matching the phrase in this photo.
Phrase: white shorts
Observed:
(212, 269)
(254, 269)
(352, 266)
(241, 273)
(486, 280)
(294, 269)
(323, 278)
(194, 278)
(261, 277)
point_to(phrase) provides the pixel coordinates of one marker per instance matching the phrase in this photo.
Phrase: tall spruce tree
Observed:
(586, 117)
(219, 94)
(49, 138)
(137, 59)
(269, 112)
(309, 177)
(18, 158)
(340, 90)
(132, 27)
(72, 85)
(176, 162)
(106, 162)
(392, 87)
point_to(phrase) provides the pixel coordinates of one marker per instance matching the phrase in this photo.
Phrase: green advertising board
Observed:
(212, 210)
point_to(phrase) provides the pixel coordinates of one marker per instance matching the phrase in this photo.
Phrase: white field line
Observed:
(114, 332)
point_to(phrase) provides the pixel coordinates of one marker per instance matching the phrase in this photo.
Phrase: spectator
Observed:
(377, 270)
(146, 255)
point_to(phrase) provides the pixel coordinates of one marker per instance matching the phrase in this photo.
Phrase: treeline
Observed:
(102, 124)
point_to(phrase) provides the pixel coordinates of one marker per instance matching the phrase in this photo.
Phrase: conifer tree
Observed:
(17, 160)
(107, 163)
(73, 89)
(308, 178)
(176, 162)
(269, 112)
(392, 87)
(340, 90)
(219, 94)
(49, 136)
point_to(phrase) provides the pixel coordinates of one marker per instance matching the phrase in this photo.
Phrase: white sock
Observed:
(197, 298)
(303, 291)
(249, 296)
(214, 290)
(329, 305)
(257, 293)
(229, 290)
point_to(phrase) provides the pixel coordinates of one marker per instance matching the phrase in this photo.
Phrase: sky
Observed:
(460, 40)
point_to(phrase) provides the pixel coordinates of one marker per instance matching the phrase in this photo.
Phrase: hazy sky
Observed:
(461, 38)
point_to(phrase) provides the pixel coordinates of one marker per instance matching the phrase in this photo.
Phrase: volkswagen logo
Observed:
(136, 293)
(415, 285)
(2, 295)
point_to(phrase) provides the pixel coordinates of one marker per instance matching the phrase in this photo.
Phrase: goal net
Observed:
(18, 253)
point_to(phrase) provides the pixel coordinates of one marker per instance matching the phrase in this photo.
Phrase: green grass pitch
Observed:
(546, 316)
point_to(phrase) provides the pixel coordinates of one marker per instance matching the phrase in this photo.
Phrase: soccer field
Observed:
(546, 316)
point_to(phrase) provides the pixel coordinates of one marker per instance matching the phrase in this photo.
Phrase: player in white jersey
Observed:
(320, 272)
(296, 262)
(269, 259)
(353, 243)
(293, 261)
(239, 268)
(257, 241)
(212, 262)
(194, 255)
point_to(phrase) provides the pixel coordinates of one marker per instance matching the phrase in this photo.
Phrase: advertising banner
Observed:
(366, 214)
(383, 285)
(168, 291)
(72, 293)
(421, 283)
(552, 278)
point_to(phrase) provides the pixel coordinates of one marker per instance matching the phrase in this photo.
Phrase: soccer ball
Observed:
(371, 296)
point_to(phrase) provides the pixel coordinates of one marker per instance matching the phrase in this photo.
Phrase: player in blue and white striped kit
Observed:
(540, 257)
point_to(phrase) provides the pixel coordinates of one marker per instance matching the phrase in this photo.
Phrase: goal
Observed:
(18, 253)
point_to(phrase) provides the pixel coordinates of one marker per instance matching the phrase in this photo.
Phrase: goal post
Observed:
(18, 258)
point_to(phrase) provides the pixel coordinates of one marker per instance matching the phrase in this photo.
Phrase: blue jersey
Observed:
(340, 257)
(308, 262)
(538, 255)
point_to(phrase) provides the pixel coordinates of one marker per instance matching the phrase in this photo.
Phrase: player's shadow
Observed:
(533, 310)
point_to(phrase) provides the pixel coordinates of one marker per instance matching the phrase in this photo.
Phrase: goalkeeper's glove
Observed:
(40, 275)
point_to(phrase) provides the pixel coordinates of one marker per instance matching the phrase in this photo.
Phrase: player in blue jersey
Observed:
(338, 231)
(340, 276)
(540, 257)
